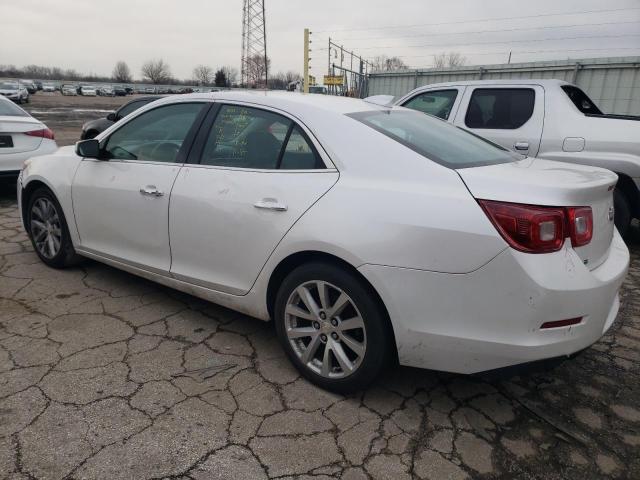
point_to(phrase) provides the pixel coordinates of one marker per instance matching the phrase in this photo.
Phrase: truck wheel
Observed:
(623, 212)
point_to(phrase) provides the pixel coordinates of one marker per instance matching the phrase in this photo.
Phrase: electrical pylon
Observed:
(254, 62)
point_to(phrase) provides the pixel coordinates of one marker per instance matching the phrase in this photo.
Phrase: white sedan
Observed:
(366, 233)
(21, 137)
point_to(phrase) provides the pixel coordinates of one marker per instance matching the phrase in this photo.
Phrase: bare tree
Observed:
(257, 70)
(451, 59)
(231, 74)
(156, 71)
(203, 74)
(121, 72)
(382, 63)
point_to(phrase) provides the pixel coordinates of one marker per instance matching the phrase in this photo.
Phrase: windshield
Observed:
(8, 86)
(8, 108)
(435, 139)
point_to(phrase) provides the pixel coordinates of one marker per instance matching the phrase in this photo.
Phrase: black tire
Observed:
(378, 338)
(622, 211)
(66, 255)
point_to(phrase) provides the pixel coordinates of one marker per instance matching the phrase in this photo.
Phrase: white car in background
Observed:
(14, 91)
(48, 87)
(88, 91)
(21, 137)
(69, 89)
(364, 232)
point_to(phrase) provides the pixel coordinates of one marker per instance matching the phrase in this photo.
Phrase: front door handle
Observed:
(270, 204)
(151, 190)
(521, 146)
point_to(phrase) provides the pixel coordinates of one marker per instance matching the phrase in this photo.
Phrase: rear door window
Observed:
(581, 100)
(438, 103)
(500, 108)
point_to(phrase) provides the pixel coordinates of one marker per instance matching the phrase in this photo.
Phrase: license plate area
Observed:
(6, 141)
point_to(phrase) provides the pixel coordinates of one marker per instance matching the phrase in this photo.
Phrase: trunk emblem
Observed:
(611, 214)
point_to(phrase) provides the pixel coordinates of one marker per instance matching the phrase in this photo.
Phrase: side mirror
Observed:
(112, 117)
(88, 148)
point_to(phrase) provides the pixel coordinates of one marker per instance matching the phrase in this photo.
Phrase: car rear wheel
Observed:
(331, 327)
(48, 230)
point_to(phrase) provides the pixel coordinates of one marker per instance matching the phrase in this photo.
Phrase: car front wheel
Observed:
(48, 230)
(331, 327)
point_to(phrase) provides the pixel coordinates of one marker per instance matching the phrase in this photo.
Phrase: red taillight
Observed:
(527, 228)
(580, 220)
(44, 133)
(537, 229)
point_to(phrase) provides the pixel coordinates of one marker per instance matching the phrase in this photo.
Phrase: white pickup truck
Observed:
(548, 119)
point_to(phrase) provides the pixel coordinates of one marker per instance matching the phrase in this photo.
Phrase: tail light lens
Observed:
(580, 222)
(537, 229)
(44, 133)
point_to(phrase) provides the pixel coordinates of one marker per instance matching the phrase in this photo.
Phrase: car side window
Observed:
(128, 108)
(500, 108)
(438, 103)
(154, 136)
(245, 137)
(299, 154)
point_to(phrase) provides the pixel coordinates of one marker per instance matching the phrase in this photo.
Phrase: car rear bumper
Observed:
(11, 163)
(491, 318)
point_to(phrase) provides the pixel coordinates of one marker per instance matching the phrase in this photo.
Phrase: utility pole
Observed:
(307, 41)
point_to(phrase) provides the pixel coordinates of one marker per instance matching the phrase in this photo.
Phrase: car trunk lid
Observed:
(12, 134)
(546, 183)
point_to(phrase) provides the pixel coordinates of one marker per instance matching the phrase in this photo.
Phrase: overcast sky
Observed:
(91, 35)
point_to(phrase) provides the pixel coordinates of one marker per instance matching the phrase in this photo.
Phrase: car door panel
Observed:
(224, 223)
(525, 139)
(115, 219)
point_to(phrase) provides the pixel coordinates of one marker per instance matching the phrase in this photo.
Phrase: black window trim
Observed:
(195, 155)
(445, 89)
(498, 87)
(187, 144)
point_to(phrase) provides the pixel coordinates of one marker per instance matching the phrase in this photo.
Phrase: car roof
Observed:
(292, 102)
(518, 81)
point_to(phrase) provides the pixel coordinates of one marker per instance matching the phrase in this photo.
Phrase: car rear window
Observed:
(7, 108)
(435, 139)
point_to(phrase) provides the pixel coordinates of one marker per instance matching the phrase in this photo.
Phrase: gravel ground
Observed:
(106, 375)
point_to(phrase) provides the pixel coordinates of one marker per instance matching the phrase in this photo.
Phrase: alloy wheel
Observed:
(46, 229)
(325, 329)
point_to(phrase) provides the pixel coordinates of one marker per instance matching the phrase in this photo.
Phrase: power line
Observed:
(541, 15)
(436, 34)
(501, 42)
(529, 51)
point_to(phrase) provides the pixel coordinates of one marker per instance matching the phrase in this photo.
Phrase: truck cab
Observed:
(548, 119)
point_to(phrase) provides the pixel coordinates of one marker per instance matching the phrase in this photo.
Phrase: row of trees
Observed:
(383, 63)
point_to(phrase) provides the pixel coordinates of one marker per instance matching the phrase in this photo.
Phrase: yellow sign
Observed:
(333, 80)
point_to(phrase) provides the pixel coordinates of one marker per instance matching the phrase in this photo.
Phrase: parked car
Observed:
(68, 89)
(106, 91)
(30, 86)
(38, 85)
(363, 232)
(14, 91)
(128, 89)
(48, 87)
(21, 137)
(94, 127)
(512, 113)
(150, 90)
(120, 91)
(88, 91)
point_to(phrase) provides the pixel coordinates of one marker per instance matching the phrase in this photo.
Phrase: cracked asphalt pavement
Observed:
(106, 375)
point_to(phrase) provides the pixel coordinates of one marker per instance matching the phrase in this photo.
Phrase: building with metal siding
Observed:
(613, 83)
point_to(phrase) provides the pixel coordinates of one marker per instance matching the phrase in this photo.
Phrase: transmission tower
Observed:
(254, 63)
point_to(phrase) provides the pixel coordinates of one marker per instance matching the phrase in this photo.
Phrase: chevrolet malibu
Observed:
(368, 234)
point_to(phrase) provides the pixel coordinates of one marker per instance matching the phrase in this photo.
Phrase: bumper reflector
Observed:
(561, 323)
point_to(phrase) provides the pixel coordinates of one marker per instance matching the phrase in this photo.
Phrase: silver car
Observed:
(14, 91)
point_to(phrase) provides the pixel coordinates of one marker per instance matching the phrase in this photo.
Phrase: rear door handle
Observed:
(151, 191)
(521, 146)
(270, 204)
